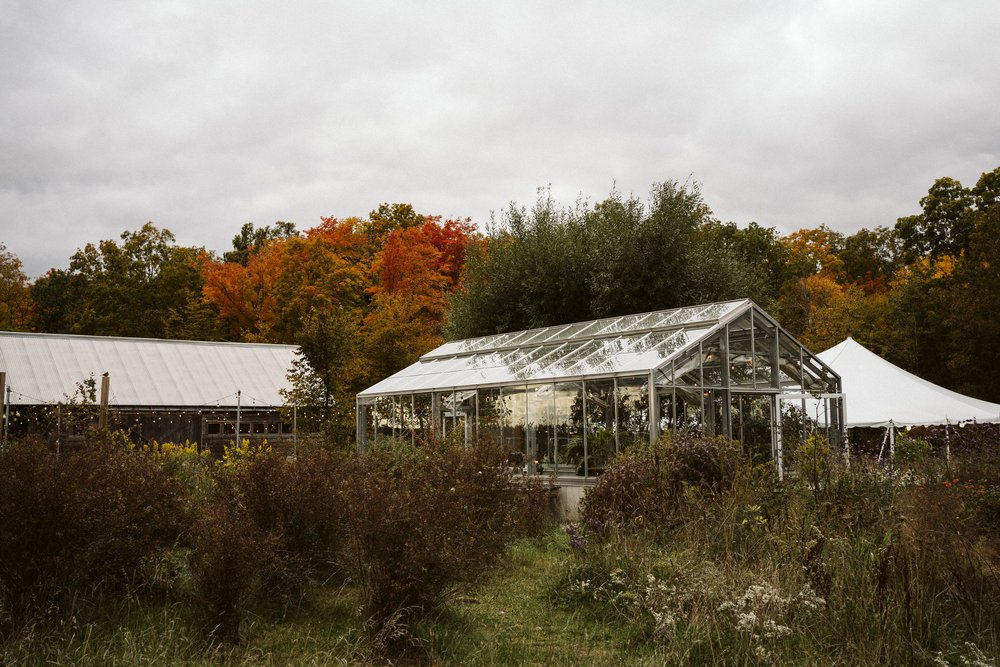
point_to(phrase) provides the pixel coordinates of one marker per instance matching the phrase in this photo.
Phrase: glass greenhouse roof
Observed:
(612, 346)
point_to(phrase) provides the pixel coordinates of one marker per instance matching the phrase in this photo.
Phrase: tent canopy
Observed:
(879, 392)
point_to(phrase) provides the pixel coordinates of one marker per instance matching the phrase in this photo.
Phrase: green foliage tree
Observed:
(387, 218)
(969, 311)
(553, 265)
(127, 289)
(945, 224)
(251, 240)
(870, 256)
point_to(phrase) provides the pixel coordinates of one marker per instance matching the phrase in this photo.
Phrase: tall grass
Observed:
(866, 564)
(686, 554)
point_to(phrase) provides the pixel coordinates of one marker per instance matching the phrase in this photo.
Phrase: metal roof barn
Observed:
(47, 368)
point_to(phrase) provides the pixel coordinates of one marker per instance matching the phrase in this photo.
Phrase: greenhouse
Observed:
(565, 399)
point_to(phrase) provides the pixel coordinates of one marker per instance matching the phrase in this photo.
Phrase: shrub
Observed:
(297, 502)
(87, 520)
(649, 485)
(812, 458)
(422, 521)
(229, 559)
(911, 450)
(271, 526)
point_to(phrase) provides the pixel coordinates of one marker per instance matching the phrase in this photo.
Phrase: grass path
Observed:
(513, 620)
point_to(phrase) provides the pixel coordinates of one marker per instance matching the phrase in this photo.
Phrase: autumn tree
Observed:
(243, 294)
(409, 302)
(15, 295)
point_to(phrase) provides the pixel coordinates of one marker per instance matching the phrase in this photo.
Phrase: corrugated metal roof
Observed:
(46, 368)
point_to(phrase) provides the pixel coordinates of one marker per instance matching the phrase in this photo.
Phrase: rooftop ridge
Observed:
(227, 343)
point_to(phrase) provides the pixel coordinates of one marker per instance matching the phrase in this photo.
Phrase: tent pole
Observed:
(947, 442)
(892, 439)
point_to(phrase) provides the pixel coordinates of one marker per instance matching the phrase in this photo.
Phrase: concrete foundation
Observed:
(568, 493)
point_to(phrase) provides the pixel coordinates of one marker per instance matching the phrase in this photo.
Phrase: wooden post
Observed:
(103, 419)
(3, 403)
(239, 441)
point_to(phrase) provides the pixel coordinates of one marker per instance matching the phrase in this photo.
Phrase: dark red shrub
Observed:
(424, 520)
(90, 519)
(646, 487)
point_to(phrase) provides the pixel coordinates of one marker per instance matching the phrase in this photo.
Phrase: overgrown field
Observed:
(686, 553)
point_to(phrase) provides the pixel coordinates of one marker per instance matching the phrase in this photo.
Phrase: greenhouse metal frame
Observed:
(566, 399)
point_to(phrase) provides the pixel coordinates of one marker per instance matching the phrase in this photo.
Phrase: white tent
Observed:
(880, 394)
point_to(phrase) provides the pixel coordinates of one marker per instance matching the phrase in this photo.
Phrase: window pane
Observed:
(633, 411)
(601, 441)
(568, 426)
(540, 448)
(489, 414)
(513, 413)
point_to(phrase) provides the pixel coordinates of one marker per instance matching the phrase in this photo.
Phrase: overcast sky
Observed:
(201, 116)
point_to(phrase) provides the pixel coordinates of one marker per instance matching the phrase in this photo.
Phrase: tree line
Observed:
(364, 297)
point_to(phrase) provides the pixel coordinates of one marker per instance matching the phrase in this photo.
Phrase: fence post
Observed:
(102, 421)
(4, 394)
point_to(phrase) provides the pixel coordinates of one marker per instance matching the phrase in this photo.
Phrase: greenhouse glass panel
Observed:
(490, 422)
(539, 431)
(422, 416)
(741, 359)
(713, 358)
(601, 441)
(568, 425)
(513, 418)
(407, 421)
(716, 412)
(789, 363)
(671, 414)
(383, 415)
(633, 410)
(764, 345)
(689, 404)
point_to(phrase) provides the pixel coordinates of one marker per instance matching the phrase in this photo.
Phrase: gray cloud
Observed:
(203, 116)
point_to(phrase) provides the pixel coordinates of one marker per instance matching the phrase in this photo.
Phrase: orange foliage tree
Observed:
(361, 298)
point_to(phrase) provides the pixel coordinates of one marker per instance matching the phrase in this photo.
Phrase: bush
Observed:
(650, 485)
(911, 450)
(297, 502)
(422, 521)
(72, 524)
(271, 526)
(229, 560)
